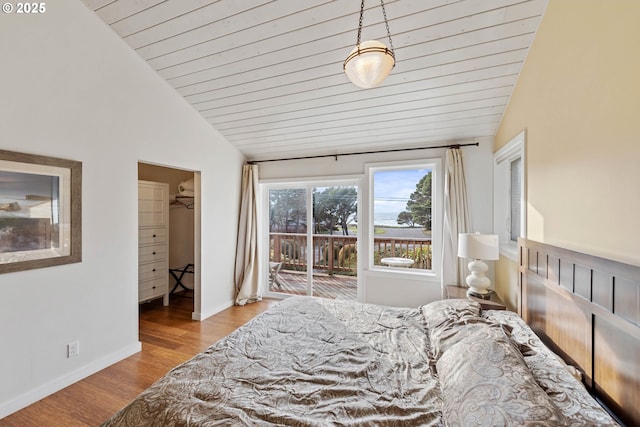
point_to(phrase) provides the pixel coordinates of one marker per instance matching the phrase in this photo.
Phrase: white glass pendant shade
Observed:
(369, 65)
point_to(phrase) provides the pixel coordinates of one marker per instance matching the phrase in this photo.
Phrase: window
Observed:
(403, 216)
(509, 195)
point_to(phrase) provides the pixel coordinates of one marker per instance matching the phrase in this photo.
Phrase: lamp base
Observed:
(478, 283)
(482, 295)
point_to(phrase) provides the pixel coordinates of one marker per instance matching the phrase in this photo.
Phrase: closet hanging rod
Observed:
(253, 162)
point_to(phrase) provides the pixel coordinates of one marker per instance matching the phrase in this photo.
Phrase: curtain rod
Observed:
(253, 162)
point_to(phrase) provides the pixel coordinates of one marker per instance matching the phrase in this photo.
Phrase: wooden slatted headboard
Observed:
(587, 309)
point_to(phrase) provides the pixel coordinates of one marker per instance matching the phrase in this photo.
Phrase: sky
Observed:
(391, 193)
(17, 185)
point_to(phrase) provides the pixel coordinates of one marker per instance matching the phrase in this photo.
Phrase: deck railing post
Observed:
(330, 253)
(277, 249)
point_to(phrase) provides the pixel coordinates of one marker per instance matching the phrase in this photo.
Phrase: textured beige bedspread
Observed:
(304, 362)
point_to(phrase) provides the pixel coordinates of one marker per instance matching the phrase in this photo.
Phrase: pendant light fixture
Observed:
(370, 62)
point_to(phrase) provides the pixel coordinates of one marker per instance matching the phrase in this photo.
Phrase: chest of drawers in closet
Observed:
(153, 241)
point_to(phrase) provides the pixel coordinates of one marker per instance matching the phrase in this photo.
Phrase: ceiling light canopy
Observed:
(370, 62)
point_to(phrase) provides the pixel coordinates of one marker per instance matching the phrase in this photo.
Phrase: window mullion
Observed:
(310, 228)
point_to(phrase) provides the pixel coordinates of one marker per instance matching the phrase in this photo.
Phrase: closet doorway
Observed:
(183, 230)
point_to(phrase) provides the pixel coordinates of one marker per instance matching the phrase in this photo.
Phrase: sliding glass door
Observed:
(313, 239)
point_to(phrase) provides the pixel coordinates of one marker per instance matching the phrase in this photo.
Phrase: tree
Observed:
(418, 210)
(333, 207)
(287, 211)
(405, 217)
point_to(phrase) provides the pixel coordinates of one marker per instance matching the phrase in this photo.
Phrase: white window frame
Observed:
(307, 184)
(437, 195)
(514, 149)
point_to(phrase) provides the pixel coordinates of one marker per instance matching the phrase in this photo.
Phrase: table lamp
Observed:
(478, 247)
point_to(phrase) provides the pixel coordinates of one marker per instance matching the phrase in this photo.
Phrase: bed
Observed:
(309, 361)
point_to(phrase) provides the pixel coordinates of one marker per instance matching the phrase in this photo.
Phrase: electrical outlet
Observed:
(73, 349)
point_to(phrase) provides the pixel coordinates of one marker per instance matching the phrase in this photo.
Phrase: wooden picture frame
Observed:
(40, 211)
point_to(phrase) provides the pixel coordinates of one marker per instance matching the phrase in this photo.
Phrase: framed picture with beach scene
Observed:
(40, 211)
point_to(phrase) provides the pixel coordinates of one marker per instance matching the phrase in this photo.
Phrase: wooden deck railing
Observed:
(338, 254)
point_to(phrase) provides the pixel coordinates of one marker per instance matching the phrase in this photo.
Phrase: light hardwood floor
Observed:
(168, 337)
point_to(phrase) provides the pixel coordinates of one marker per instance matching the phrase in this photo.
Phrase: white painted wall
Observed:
(384, 287)
(72, 89)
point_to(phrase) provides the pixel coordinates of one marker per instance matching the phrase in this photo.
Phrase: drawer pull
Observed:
(154, 253)
(153, 287)
(153, 269)
(154, 235)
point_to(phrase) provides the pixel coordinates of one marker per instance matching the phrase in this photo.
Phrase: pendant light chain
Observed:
(386, 23)
(360, 24)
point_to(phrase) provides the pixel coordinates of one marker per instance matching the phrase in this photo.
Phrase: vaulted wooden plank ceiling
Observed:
(268, 74)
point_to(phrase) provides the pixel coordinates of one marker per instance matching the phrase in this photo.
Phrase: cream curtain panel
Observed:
(247, 271)
(456, 218)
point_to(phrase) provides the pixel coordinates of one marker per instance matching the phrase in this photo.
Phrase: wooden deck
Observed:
(325, 286)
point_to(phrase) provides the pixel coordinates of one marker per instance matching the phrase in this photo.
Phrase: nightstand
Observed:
(493, 303)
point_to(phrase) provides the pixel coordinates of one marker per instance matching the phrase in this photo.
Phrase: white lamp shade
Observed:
(478, 246)
(371, 66)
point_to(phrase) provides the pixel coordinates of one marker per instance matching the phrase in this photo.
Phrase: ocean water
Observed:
(385, 222)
